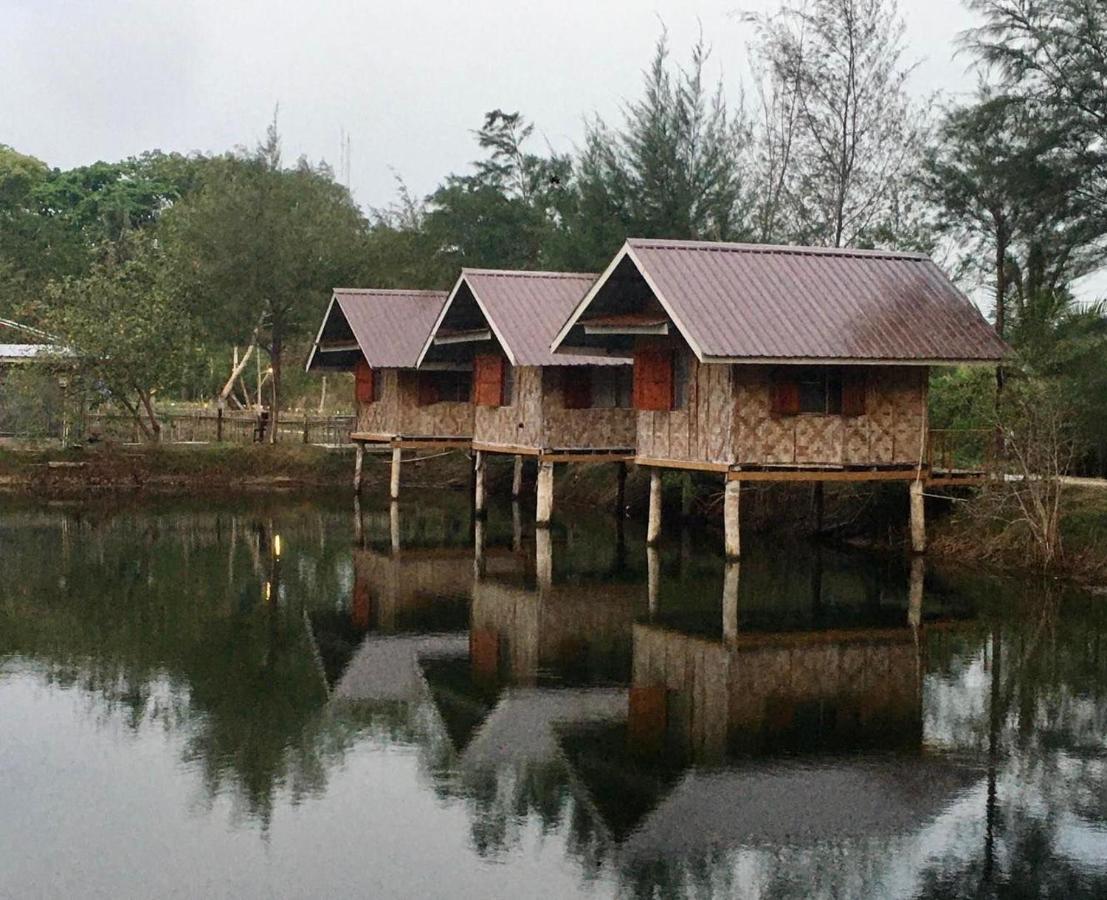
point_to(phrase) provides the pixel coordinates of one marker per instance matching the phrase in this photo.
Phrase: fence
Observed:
(214, 426)
(963, 450)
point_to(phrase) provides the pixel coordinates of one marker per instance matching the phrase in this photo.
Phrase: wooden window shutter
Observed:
(363, 381)
(784, 396)
(576, 387)
(488, 379)
(653, 380)
(427, 389)
(854, 386)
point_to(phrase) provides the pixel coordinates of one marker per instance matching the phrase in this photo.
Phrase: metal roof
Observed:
(390, 326)
(758, 302)
(524, 311)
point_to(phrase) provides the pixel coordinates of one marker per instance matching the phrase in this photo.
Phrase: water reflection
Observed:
(804, 722)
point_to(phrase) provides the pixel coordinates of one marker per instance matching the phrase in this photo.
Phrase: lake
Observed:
(287, 698)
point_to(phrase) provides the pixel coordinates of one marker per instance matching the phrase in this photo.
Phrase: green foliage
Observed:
(131, 339)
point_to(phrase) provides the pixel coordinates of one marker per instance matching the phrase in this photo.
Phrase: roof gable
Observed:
(389, 326)
(739, 302)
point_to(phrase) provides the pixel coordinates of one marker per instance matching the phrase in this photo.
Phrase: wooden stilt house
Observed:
(529, 402)
(779, 363)
(378, 335)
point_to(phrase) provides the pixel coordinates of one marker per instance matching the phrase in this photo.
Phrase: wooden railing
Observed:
(219, 426)
(964, 450)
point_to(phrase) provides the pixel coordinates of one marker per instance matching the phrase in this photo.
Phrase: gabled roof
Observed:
(389, 326)
(758, 302)
(524, 311)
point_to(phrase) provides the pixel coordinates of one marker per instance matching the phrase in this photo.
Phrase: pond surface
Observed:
(282, 699)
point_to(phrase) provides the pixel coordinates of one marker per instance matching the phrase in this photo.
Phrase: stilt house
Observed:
(378, 335)
(779, 363)
(528, 401)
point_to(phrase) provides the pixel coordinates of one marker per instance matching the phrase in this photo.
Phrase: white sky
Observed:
(409, 81)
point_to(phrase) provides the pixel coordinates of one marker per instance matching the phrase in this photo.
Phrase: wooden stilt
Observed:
(918, 517)
(543, 558)
(621, 489)
(653, 527)
(732, 497)
(480, 462)
(517, 478)
(516, 527)
(730, 601)
(394, 484)
(359, 461)
(544, 511)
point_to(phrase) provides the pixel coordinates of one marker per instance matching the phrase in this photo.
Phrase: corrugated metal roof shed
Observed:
(390, 326)
(762, 302)
(525, 310)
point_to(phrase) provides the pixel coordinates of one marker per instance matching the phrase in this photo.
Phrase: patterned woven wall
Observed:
(702, 430)
(398, 411)
(519, 424)
(581, 428)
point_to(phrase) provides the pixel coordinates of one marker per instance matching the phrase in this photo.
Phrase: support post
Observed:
(394, 484)
(359, 460)
(544, 511)
(517, 478)
(653, 526)
(621, 490)
(732, 497)
(918, 517)
(479, 465)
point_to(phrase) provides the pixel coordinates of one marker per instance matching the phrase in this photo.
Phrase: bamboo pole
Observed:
(732, 498)
(544, 510)
(653, 527)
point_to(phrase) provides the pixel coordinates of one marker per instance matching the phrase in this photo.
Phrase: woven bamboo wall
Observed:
(728, 420)
(892, 430)
(582, 428)
(702, 430)
(519, 424)
(398, 411)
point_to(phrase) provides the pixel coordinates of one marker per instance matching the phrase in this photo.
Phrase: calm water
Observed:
(273, 699)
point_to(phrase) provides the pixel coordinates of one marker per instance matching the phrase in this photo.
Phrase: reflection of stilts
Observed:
(359, 524)
(994, 716)
(516, 526)
(478, 549)
(730, 601)
(543, 552)
(914, 611)
(653, 577)
(394, 525)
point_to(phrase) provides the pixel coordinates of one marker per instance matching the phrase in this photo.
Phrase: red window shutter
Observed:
(427, 389)
(653, 379)
(854, 392)
(576, 387)
(363, 382)
(488, 380)
(784, 394)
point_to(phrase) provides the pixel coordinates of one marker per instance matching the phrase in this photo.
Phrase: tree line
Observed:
(158, 264)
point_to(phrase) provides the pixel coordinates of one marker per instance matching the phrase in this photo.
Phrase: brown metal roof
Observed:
(763, 302)
(390, 326)
(525, 310)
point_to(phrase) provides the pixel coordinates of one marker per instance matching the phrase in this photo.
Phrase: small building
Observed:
(779, 363)
(378, 335)
(529, 402)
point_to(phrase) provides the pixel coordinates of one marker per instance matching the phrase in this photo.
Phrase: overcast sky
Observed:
(409, 81)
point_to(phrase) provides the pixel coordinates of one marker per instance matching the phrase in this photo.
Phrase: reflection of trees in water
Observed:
(189, 622)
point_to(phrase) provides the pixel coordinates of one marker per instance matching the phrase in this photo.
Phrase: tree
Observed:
(130, 337)
(677, 166)
(1054, 56)
(258, 249)
(841, 135)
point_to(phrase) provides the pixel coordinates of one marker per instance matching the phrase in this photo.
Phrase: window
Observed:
(444, 387)
(613, 387)
(681, 375)
(653, 379)
(576, 387)
(489, 376)
(818, 390)
(366, 389)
